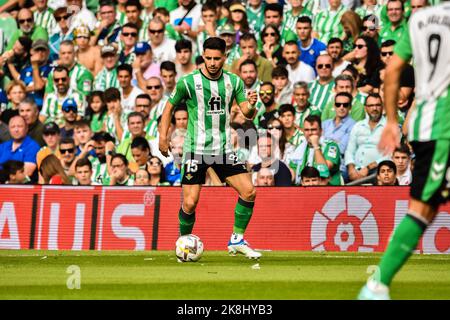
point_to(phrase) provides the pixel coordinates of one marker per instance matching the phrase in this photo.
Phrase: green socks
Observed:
(242, 215)
(186, 222)
(403, 243)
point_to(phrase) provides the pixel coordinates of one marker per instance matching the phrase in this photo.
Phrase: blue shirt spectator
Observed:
(26, 75)
(309, 55)
(173, 173)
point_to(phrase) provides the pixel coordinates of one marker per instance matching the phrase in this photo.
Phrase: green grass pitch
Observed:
(157, 275)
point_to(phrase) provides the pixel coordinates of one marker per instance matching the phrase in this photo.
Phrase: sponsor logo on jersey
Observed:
(189, 176)
(437, 170)
(198, 86)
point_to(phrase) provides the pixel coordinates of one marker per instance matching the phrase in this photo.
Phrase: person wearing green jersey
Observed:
(43, 16)
(27, 27)
(427, 40)
(321, 89)
(396, 24)
(303, 108)
(209, 94)
(273, 14)
(327, 22)
(107, 77)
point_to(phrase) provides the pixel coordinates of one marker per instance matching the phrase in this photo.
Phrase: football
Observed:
(189, 248)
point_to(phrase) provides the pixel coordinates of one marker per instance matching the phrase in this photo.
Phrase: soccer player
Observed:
(429, 134)
(209, 94)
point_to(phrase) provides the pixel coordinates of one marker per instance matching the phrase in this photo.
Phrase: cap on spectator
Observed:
(40, 44)
(227, 29)
(82, 31)
(141, 47)
(25, 42)
(51, 127)
(237, 7)
(108, 49)
(69, 104)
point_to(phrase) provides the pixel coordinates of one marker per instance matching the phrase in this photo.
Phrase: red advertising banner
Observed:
(131, 218)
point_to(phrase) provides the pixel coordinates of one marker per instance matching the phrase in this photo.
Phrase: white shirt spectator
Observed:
(83, 17)
(129, 102)
(406, 178)
(193, 18)
(165, 51)
(303, 72)
(338, 70)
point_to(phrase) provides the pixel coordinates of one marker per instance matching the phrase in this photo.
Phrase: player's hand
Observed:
(164, 147)
(390, 138)
(252, 97)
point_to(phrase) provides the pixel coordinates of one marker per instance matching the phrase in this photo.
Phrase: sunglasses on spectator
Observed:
(270, 127)
(70, 108)
(272, 34)
(127, 34)
(156, 31)
(58, 19)
(29, 20)
(359, 46)
(63, 151)
(324, 66)
(342, 104)
(365, 28)
(268, 92)
(387, 53)
(153, 87)
(57, 80)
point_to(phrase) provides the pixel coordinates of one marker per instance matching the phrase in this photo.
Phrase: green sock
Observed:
(186, 222)
(242, 215)
(403, 243)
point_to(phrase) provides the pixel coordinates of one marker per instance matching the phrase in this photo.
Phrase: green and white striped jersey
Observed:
(209, 104)
(157, 110)
(143, 34)
(320, 94)
(51, 108)
(290, 21)
(430, 47)
(46, 20)
(99, 171)
(110, 125)
(313, 6)
(81, 79)
(121, 17)
(233, 54)
(151, 131)
(327, 24)
(106, 79)
(300, 116)
(297, 138)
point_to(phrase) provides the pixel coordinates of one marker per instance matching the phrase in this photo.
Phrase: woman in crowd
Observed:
(96, 110)
(52, 172)
(272, 50)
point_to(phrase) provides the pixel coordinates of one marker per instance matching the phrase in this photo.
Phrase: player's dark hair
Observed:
(287, 107)
(215, 43)
(125, 67)
(112, 94)
(274, 7)
(309, 172)
(387, 163)
(83, 162)
(168, 66)
(134, 3)
(304, 19)
(141, 143)
(388, 43)
(247, 62)
(183, 44)
(314, 118)
(130, 25)
(199, 60)
(335, 40)
(280, 71)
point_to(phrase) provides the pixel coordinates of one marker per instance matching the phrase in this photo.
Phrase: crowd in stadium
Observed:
(83, 85)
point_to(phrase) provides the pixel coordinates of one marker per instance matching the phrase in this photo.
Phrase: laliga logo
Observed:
(345, 223)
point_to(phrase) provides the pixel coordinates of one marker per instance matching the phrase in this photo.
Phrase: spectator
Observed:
(362, 156)
(327, 21)
(133, 10)
(303, 107)
(370, 27)
(17, 57)
(238, 19)
(335, 50)
(128, 40)
(298, 70)
(387, 173)
(135, 127)
(298, 11)
(143, 65)
(283, 85)
(344, 83)
(209, 27)
(143, 105)
(396, 24)
(248, 72)
(280, 146)
(155, 90)
(233, 52)
(184, 63)
(319, 152)
(107, 77)
(168, 74)
(321, 88)
(43, 16)
(271, 49)
(83, 173)
(69, 111)
(54, 101)
(287, 118)
(142, 178)
(156, 172)
(309, 176)
(163, 14)
(62, 16)
(402, 160)
(369, 8)
(162, 47)
(52, 172)
(82, 136)
(265, 178)
(27, 27)
(67, 149)
(52, 137)
(81, 79)
(30, 112)
(82, 16)
(16, 93)
(20, 147)
(173, 169)
(248, 45)
(281, 173)
(418, 4)
(352, 24)
(270, 108)
(273, 14)
(255, 15)
(87, 55)
(186, 18)
(103, 146)
(180, 117)
(310, 48)
(128, 92)
(15, 172)
(107, 31)
(237, 142)
(96, 110)
(119, 174)
(140, 151)
(116, 119)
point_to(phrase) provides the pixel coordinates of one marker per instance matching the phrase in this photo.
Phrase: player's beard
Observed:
(214, 74)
